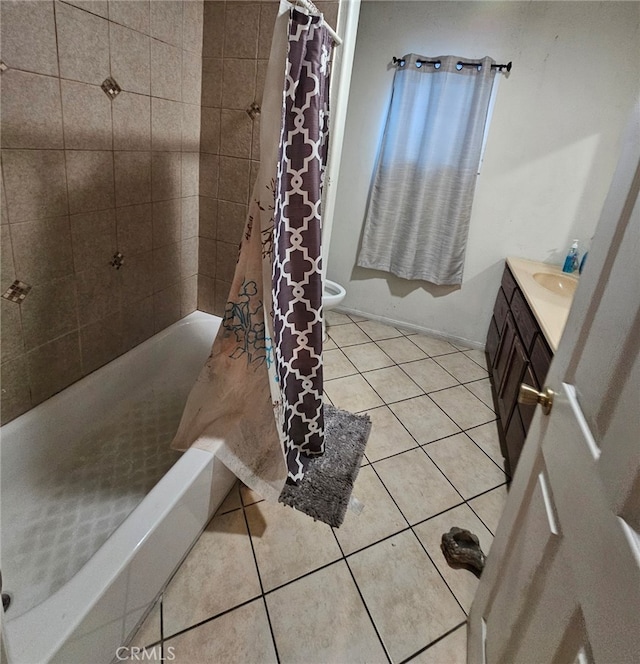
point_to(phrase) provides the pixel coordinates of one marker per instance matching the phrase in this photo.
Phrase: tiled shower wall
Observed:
(87, 176)
(172, 156)
(236, 47)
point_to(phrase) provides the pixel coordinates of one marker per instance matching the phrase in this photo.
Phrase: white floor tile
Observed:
(465, 409)
(482, 389)
(218, 574)
(348, 335)
(366, 357)
(466, 466)
(336, 365)
(432, 346)
(401, 349)
(461, 367)
(451, 650)
(377, 331)
(401, 588)
(238, 637)
(424, 420)
(288, 543)
(352, 393)
(477, 356)
(417, 486)
(387, 436)
(379, 518)
(429, 375)
(336, 318)
(489, 506)
(486, 436)
(392, 384)
(321, 619)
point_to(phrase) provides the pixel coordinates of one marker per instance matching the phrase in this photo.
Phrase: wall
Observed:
(236, 47)
(551, 149)
(86, 176)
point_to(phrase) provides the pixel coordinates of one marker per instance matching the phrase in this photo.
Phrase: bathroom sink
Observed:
(561, 284)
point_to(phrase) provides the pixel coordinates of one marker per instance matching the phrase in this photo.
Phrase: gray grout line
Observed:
(484, 493)
(466, 432)
(211, 618)
(364, 603)
(416, 536)
(264, 601)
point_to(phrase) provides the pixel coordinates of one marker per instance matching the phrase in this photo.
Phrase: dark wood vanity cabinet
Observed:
(517, 352)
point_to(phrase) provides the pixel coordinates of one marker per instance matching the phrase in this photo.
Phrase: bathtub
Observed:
(97, 512)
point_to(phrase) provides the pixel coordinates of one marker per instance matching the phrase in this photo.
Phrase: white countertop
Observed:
(551, 310)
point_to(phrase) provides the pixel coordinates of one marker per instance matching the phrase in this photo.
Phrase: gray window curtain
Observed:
(417, 219)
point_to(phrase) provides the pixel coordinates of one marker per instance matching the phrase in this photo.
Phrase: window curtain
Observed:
(419, 209)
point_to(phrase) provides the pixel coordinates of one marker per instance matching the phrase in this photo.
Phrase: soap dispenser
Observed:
(571, 262)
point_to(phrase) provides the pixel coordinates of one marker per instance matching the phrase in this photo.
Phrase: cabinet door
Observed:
(504, 351)
(493, 339)
(515, 436)
(514, 373)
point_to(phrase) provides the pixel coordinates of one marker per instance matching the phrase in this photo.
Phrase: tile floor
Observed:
(265, 583)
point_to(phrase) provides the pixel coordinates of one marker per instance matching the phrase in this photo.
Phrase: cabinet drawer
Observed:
(541, 356)
(500, 310)
(493, 337)
(525, 322)
(508, 284)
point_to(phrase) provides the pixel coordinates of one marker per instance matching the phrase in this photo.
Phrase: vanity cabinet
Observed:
(517, 352)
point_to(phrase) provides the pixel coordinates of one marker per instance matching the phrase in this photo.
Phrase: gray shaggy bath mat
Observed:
(326, 487)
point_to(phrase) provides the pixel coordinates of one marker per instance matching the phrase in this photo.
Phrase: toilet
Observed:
(332, 296)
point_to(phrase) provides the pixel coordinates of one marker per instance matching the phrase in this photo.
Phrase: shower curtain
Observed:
(258, 400)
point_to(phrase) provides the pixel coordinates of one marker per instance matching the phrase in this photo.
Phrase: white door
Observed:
(562, 582)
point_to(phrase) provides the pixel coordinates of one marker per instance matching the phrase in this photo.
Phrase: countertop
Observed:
(551, 310)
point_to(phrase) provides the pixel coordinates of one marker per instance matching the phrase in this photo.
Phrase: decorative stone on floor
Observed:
(461, 549)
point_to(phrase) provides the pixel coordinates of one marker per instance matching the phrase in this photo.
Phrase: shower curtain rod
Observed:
(309, 6)
(401, 61)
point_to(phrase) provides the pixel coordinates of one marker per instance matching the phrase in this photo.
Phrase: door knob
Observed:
(529, 396)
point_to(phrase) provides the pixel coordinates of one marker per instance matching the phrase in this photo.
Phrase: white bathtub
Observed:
(71, 603)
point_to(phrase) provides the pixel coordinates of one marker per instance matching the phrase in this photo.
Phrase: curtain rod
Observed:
(459, 64)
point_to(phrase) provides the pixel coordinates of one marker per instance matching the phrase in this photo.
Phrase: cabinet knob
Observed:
(529, 396)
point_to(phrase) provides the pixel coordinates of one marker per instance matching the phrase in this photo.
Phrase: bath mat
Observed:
(325, 489)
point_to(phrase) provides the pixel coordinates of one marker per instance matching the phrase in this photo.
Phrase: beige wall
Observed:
(85, 176)
(550, 154)
(236, 47)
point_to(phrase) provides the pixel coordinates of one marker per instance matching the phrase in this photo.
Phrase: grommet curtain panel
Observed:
(258, 400)
(417, 219)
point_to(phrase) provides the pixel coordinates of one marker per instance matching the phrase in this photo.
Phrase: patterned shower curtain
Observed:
(297, 269)
(258, 400)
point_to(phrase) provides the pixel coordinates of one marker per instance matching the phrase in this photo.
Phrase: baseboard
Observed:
(414, 328)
